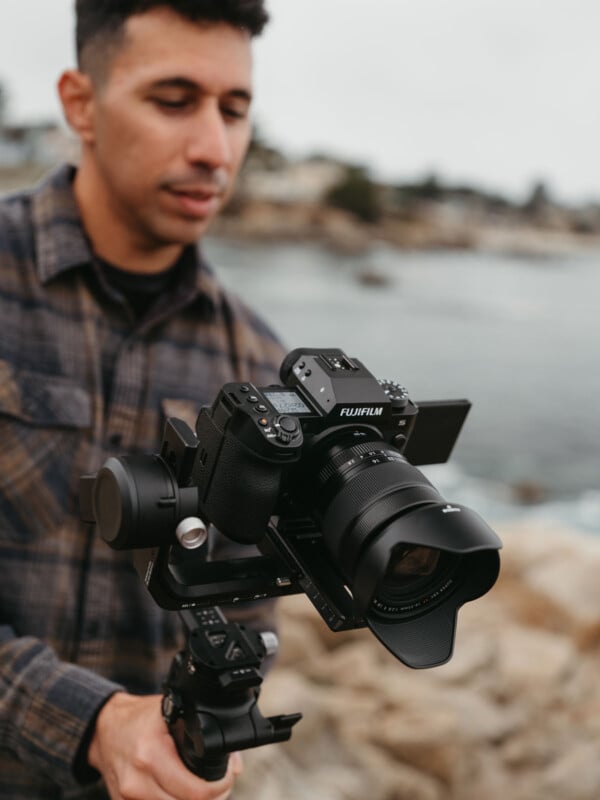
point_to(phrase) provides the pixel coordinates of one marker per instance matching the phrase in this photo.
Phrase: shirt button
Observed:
(115, 439)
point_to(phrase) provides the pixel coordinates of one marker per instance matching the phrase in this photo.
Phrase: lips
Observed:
(196, 202)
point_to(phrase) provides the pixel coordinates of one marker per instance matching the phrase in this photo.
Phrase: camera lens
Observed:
(409, 563)
(415, 577)
(362, 484)
(409, 558)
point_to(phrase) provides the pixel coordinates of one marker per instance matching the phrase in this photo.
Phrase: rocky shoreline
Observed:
(431, 229)
(515, 713)
(444, 224)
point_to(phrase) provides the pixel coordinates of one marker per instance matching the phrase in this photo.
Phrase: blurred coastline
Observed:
(340, 205)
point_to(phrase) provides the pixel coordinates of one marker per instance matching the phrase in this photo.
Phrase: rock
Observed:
(575, 775)
(373, 277)
(528, 492)
(533, 663)
(554, 580)
(428, 739)
(482, 719)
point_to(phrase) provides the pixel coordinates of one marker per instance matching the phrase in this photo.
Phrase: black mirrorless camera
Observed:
(320, 474)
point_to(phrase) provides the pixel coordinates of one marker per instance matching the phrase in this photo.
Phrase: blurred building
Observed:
(306, 181)
(43, 144)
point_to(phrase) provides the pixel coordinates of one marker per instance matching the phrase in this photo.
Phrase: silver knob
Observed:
(270, 642)
(191, 533)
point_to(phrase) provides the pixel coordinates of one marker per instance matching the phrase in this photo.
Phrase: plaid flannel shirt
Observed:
(76, 622)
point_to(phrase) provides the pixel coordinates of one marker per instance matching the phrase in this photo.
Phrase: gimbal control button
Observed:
(252, 398)
(263, 421)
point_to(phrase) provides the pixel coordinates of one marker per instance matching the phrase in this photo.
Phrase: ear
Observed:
(76, 93)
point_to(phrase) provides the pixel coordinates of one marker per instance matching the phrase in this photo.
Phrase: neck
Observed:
(112, 238)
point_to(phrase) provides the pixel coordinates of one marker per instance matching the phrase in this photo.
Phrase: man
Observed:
(111, 321)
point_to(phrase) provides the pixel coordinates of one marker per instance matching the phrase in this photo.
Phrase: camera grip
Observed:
(242, 490)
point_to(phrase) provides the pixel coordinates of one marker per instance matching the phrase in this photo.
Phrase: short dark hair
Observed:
(102, 22)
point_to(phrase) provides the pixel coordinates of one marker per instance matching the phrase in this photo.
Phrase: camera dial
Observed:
(395, 392)
(286, 428)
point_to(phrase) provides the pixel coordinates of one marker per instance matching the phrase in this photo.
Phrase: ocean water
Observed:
(519, 337)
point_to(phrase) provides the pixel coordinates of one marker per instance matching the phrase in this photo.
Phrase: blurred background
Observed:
(422, 191)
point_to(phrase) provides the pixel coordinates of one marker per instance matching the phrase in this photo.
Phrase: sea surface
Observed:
(518, 336)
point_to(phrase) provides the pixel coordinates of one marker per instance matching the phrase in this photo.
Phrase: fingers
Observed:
(237, 763)
(179, 783)
(138, 759)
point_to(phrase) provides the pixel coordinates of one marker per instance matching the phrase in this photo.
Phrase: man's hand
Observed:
(137, 757)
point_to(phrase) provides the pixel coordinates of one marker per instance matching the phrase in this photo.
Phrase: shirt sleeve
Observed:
(47, 708)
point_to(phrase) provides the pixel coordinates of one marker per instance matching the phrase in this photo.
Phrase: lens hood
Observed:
(424, 638)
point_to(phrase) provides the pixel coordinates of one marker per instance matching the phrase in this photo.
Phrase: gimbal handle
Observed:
(211, 693)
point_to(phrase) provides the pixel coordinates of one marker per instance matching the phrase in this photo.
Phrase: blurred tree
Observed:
(356, 193)
(430, 188)
(539, 199)
(262, 155)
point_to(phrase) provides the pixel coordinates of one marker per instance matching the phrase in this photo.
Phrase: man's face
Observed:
(171, 126)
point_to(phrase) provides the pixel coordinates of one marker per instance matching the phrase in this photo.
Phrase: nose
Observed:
(208, 141)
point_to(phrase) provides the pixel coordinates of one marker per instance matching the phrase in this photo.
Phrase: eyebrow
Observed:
(190, 85)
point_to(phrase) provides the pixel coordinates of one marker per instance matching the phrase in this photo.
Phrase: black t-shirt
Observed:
(141, 290)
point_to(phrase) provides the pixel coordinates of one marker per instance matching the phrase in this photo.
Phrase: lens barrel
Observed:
(409, 558)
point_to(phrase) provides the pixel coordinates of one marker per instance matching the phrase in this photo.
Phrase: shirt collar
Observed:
(62, 245)
(60, 240)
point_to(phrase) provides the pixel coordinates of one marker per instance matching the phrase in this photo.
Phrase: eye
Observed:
(232, 113)
(173, 103)
(235, 112)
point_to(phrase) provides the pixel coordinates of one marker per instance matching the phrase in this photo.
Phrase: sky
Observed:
(495, 93)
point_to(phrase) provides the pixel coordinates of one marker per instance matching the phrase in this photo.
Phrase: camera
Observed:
(320, 473)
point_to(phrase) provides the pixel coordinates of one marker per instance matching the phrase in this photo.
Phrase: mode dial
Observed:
(396, 393)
